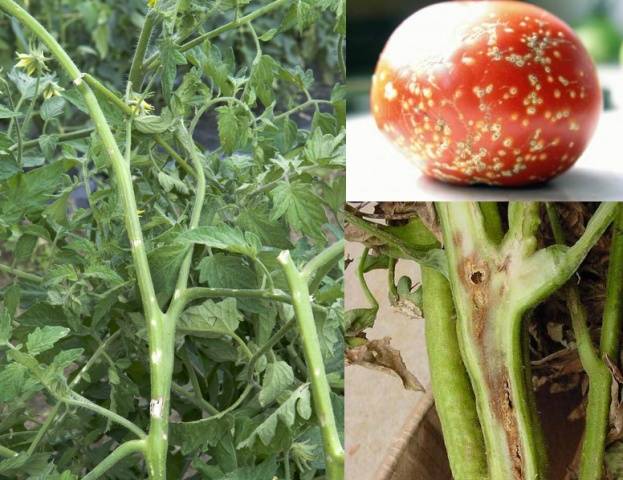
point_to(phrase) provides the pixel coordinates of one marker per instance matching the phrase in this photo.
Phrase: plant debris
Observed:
(380, 355)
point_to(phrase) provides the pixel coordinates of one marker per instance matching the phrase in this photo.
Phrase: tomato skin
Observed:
(496, 92)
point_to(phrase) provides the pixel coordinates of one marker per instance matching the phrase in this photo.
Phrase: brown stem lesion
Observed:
(489, 330)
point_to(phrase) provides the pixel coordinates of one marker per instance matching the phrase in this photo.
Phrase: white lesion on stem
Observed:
(155, 407)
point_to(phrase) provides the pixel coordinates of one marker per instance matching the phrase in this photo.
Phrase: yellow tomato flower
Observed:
(140, 106)
(33, 62)
(52, 89)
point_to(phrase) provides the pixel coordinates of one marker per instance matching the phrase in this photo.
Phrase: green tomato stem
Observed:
(272, 341)
(135, 76)
(187, 142)
(334, 454)
(195, 293)
(7, 452)
(599, 376)
(124, 450)
(77, 400)
(160, 332)
(63, 137)
(13, 121)
(327, 257)
(154, 60)
(362, 279)
(586, 350)
(450, 382)
(611, 325)
(492, 221)
(20, 274)
(195, 399)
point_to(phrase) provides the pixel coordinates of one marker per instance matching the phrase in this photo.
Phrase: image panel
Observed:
(483, 340)
(484, 100)
(172, 177)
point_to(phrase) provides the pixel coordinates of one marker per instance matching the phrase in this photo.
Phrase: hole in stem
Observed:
(476, 277)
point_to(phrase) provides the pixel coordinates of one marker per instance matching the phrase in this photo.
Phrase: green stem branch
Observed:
(154, 60)
(135, 76)
(279, 334)
(450, 382)
(600, 378)
(160, 334)
(21, 274)
(124, 450)
(63, 137)
(611, 325)
(196, 399)
(492, 221)
(52, 414)
(195, 293)
(182, 280)
(328, 256)
(362, 280)
(77, 400)
(319, 266)
(549, 268)
(334, 454)
(7, 452)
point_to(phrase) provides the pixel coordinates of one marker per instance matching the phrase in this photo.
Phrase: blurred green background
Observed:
(599, 23)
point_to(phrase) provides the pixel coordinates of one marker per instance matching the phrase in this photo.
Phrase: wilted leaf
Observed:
(380, 355)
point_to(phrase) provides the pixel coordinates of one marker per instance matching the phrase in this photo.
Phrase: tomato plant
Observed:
(498, 93)
(495, 280)
(170, 245)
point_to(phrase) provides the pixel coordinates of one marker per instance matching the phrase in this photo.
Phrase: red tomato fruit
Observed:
(495, 92)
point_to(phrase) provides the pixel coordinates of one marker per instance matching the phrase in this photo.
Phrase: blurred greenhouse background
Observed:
(599, 23)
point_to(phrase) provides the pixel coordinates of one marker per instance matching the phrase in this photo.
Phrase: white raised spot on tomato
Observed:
(390, 92)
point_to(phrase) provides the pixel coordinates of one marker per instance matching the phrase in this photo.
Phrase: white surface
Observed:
(377, 171)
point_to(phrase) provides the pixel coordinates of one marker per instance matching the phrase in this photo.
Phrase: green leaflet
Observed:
(277, 377)
(302, 208)
(297, 404)
(42, 339)
(224, 237)
(8, 113)
(211, 319)
(199, 434)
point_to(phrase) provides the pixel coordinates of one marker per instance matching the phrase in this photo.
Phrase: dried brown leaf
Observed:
(396, 211)
(380, 355)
